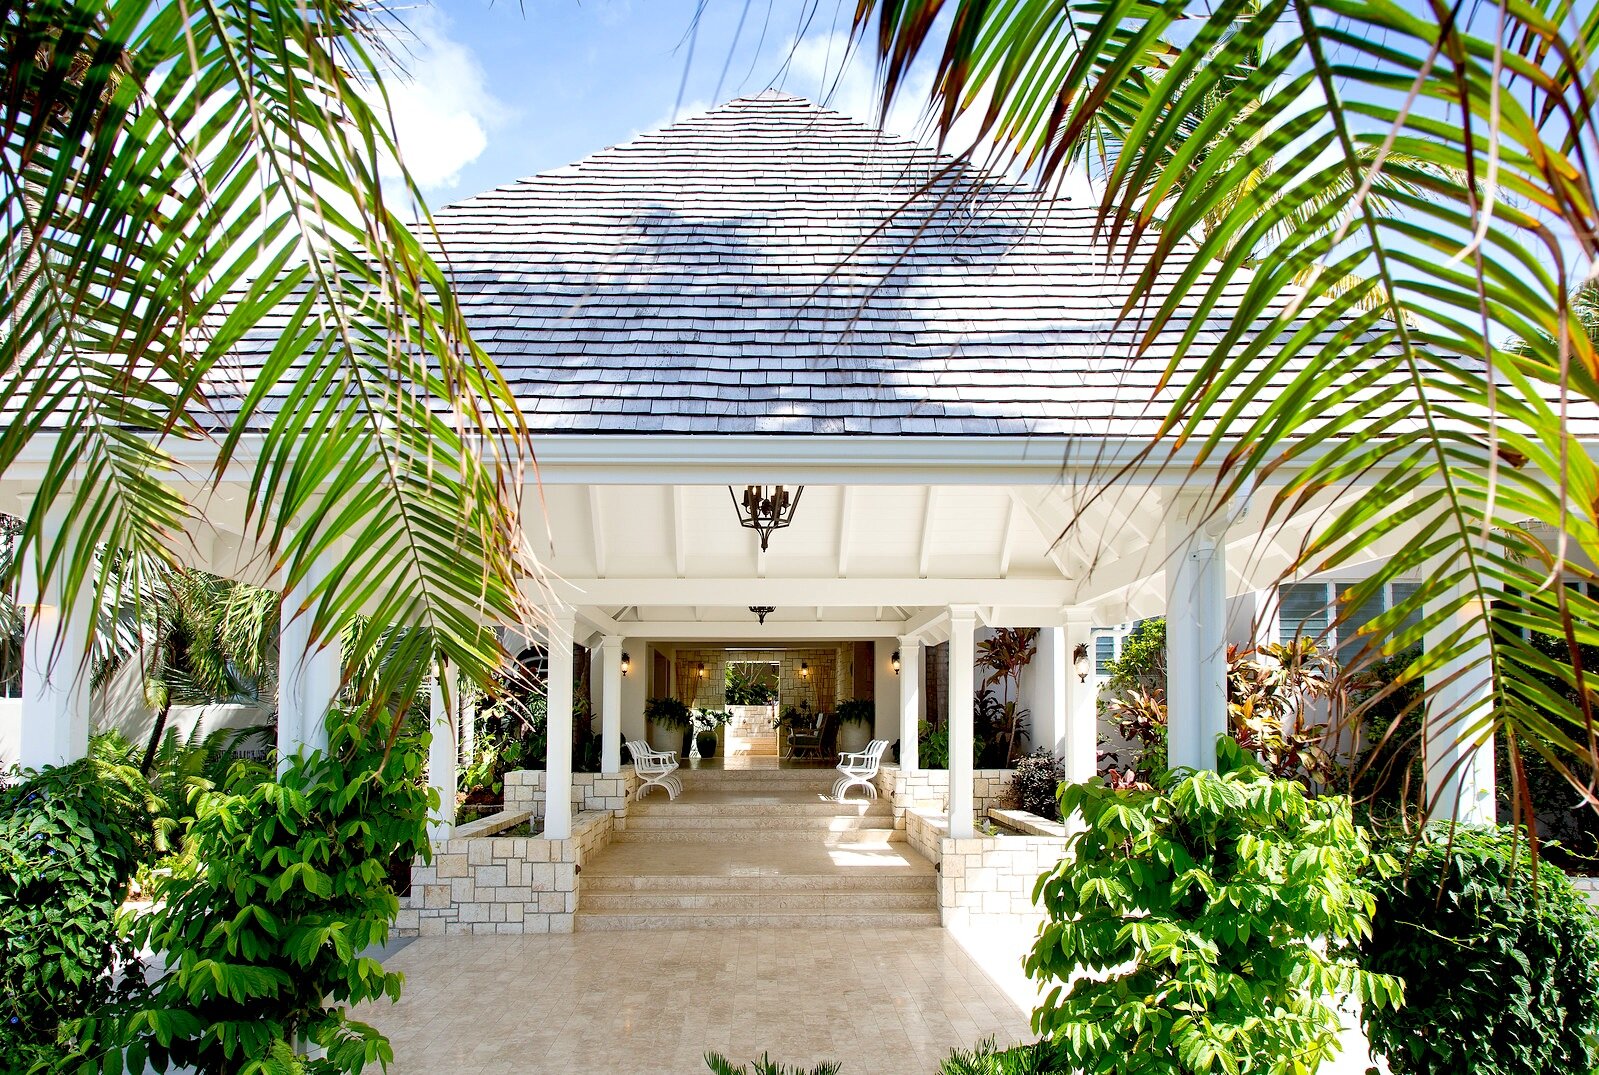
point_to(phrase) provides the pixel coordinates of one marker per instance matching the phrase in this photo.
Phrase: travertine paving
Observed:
(883, 1002)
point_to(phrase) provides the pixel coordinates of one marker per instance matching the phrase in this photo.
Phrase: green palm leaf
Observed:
(1382, 199)
(181, 181)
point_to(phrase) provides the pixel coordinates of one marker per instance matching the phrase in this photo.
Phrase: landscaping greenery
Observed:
(1035, 787)
(1500, 960)
(1210, 917)
(265, 923)
(70, 840)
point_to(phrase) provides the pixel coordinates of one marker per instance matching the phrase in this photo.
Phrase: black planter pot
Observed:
(688, 744)
(708, 745)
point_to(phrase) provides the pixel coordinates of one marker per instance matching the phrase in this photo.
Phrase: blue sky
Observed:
(505, 89)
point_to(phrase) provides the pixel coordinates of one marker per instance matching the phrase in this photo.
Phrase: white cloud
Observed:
(443, 110)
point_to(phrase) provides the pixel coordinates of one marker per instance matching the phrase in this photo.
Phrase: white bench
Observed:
(654, 769)
(858, 768)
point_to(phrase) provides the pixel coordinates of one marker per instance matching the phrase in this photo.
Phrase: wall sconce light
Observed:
(700, 669)
(1080, 661)
(627, 663)
(894, 660)
(805, 670)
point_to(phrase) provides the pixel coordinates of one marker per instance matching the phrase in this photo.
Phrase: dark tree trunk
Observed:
(155, 739)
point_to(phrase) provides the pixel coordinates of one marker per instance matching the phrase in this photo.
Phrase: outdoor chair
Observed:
(859, 768)
(803, 742)
(654, 768)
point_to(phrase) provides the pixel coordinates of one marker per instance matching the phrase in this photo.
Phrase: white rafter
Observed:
(926, 556)
(597, 529)
(1007, 543)
(679, 544)
(846, 518)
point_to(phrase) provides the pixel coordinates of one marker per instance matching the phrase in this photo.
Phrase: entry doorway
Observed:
(753, 693)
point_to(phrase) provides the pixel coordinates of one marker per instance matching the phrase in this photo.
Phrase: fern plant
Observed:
(765, 1065)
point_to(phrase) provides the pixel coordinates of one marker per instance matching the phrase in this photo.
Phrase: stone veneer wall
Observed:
(1589, 887)
(928, 789)
(524, 790)
(479, 882)
(986, 875)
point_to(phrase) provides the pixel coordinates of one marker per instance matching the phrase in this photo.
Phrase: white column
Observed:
(443, 751)
(468, 733)
(1196, 633)
(558, 762)
(309, 673)
(55, 667)
(1079, 750)
(910, 701)
(962, 660)
(1044, 690)
(611, 703)
(1457, 737)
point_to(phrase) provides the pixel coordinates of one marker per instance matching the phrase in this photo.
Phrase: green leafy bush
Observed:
(1501, 966)
(70, 839)
(932, 749)
(721, 1065)
(1036, 785)
(857, 711)
(668, 713)
(1209, 918)
(287, 884)
(1038, 1058)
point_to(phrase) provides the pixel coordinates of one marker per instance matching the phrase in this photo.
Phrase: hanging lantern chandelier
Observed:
(761, 612)
(766, 508)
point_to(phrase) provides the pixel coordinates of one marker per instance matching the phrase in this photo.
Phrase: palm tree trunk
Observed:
(155, 738)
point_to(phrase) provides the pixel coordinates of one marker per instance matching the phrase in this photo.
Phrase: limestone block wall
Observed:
(524, 790)
(928, 789)
(985, 876)
(1589, 887)
(480, 882)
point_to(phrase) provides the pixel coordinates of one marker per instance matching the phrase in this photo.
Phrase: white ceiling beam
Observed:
(775, 632)
(793, 592)
(596, 620)
(846, 520)
(1007, 542)
(926, 556)
(679, 543)
(925, 622)
(1052, 544)
(597, 530)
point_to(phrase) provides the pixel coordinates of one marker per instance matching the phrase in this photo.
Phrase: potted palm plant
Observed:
(673, 718)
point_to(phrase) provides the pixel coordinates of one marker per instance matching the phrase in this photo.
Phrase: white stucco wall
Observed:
(885, 688)
(10, 731)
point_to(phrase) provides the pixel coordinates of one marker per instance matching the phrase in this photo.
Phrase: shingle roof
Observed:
(774, 267)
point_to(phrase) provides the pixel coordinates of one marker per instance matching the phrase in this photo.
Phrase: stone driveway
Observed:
(882, 1002)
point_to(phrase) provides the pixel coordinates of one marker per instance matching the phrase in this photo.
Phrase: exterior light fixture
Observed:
(700, 669)
(894, 660)
(766, 508)
(1080, 661)
(627, 663)
(805, 670)
(762, 611)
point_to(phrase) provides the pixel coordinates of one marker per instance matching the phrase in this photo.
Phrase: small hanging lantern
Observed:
(894, 660)
(627, 663)
(766, 508)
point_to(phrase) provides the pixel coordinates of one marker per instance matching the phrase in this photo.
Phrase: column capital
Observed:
(963, 612)
(906, 642)
(611, 642)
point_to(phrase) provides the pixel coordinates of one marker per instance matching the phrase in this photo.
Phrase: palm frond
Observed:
(1405, 186)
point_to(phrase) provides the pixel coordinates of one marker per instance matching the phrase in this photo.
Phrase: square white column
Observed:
(443, 751)
(611, 703)
(558, 760)
(910, 701)
(1079, 749)
(1457, 735)
(1196, 632)
(310, 672)
(962, 662)
(55, 668)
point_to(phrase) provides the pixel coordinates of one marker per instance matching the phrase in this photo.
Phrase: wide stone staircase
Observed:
(753, 849)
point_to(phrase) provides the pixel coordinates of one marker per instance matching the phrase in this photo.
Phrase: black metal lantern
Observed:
(761, 612)
(766, 508)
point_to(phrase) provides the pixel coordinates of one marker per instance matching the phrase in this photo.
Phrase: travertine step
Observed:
(787, 901)
(872, 881)
(870, 837)
(590, 921)
(781, 822)
(689, 805)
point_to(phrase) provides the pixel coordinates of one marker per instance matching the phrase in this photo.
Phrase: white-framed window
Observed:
(1306, 609)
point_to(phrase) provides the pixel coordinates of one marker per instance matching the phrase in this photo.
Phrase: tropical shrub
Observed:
(1209, 917)
(1037, 1058)
(932, 748)
(1035, 787)
(668, 713)
(856, 711)
(1005, 653)
(721, 1065)
(264, 925)
(1500, 961)
(70, 839)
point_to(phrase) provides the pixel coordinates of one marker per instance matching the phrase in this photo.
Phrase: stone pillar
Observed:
(1457, 737)
(910, 700)
(611, 703)
(1079, 750)
(1196, 632)
(55, 665)
(443, 751)
(962, 662)
(558, 763)
(309, 674)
